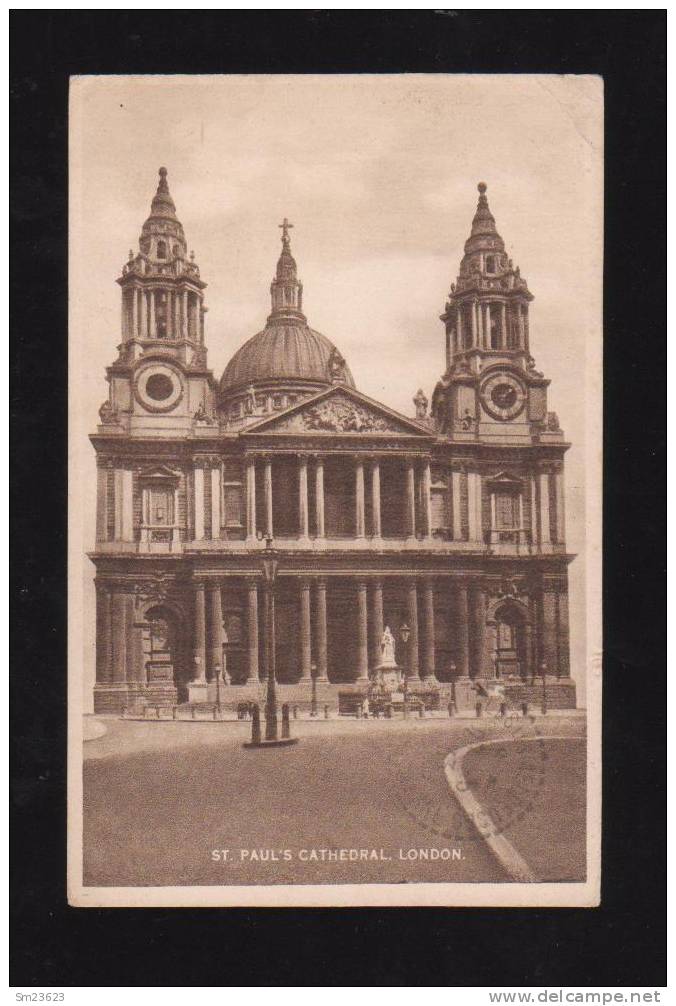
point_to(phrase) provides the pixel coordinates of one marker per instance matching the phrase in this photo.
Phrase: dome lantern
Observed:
(287, 360)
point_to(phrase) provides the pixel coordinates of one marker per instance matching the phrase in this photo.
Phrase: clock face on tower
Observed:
(158, 387)
(503, 396)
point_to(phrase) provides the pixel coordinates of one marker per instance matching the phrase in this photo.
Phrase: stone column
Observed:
(478, 615)
(427, 498)
(413, 662)
(124, 505)
(134, 312)
(118, 638)
(503, 325)
(143, 316)
(269, 529)
(563, 632)
(103, 635)
(522, 331)
(560, 508)
(378, 622)
(460, 330)
(216, 502)
(375, 500)
(457, 511)
(545, 537)
(199, 637)
(303, 522)
(319, 496)
(215, 628)
(475, 323)
(252, 630)
(428, 616)
(410, 499)
(362, 633)
(184, 314)
(198, 486)
(101, 504)
(153, 319)
(360, 513)
(533, 512)
(462, 631)
(474, 507)
(322, 654)
(251, 498)
(133, 661)
(549, 633)
(305, 632)
(529, 670)
(487, 326)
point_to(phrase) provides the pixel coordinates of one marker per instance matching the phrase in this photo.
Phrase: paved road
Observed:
(154, 815)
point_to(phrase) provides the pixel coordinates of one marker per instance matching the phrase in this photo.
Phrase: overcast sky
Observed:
(378, 175)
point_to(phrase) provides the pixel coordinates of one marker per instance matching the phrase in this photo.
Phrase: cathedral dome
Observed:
(287, 352)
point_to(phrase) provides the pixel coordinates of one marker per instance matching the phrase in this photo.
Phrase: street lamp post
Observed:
(313, 700)
(218, 670)
(543, 672)
(405, 634)
(270, 566)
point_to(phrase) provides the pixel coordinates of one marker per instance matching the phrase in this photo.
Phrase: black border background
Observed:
(623, 941)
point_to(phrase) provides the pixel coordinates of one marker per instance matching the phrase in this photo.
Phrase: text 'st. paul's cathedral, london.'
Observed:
(443, 531)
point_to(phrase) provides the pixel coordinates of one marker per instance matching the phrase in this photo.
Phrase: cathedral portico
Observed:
(448, 528)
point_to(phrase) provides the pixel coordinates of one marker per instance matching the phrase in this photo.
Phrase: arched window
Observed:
(490, 263)
(161, 249)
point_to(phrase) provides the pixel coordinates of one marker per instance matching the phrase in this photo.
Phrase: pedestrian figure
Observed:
(451, 710)
(286, 730)
(503, 709)
(478, 708)
(524, 709)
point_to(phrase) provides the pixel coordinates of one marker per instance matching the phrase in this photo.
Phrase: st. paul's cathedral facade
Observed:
(448, 524)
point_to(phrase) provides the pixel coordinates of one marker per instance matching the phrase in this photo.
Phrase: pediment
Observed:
(162, 472)
(506, 479)
(340, 412)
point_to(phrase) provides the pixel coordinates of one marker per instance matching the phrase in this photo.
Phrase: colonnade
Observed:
(418, 504)
(418, 658)
(140, 313)
(198, 634)
(482, 314)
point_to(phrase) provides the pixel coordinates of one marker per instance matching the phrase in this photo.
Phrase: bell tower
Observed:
(490, 388)
(159, 381)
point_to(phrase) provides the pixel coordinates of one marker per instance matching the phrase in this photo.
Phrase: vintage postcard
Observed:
(335, 481)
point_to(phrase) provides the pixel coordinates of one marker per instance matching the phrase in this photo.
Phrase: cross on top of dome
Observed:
(285, 227)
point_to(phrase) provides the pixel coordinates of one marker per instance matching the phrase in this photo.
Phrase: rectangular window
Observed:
(233, 493)
(506, 511)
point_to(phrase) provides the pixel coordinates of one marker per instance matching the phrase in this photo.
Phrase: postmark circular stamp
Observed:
(483, 783)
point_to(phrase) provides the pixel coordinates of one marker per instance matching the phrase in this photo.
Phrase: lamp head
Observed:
(405, 632)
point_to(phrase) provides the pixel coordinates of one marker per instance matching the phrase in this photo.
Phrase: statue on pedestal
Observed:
(387, 658)
(388, 673)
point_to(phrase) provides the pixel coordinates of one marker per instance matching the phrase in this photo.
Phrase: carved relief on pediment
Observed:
(338, 415)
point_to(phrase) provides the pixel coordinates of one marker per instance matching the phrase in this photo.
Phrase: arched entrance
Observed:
(164, 652)
(510, 624)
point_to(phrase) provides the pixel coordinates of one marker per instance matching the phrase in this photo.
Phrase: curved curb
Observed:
(503, 850)
(92, 729)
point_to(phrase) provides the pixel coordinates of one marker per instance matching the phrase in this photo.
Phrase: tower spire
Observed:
(162, 204)
(286, 290)
(487, 308)
(162, 293)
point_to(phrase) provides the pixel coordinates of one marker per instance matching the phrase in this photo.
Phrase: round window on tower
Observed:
(158, 387)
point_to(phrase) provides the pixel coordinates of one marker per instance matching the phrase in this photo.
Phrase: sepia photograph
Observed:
(335, 458)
